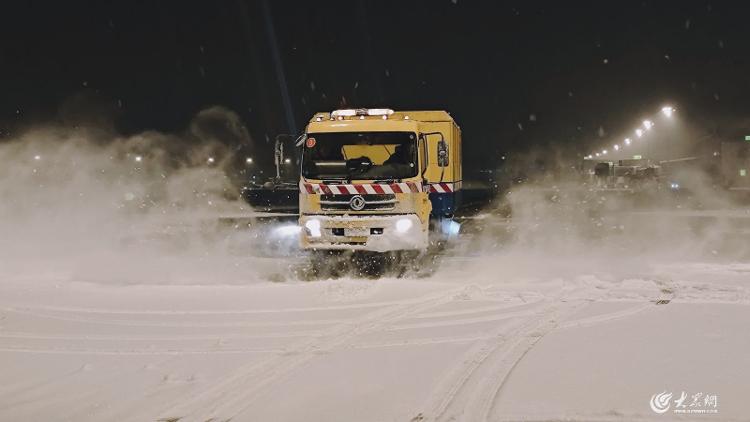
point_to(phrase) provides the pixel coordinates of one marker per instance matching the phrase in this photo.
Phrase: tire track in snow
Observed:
(513, 352)
(469, 392)
(206, 337)
(463, 321)
(124, 352)
(138, 323)
(475, 310)
(456, 389)
(158, 340)
(229, 397)
(598, 319)
(73, 309)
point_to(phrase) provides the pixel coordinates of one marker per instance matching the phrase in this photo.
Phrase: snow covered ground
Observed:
(123, 297)
(485, 338)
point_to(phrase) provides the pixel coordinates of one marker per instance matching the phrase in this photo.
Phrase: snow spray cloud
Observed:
(555, 221)
(94, 205)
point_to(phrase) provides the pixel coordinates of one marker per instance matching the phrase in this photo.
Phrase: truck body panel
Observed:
(350, 208)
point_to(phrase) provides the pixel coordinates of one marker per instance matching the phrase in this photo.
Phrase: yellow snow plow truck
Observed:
(379, 180)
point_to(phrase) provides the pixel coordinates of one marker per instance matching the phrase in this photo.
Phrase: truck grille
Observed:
(381, 202)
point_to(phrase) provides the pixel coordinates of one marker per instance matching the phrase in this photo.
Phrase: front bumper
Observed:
(376, 233)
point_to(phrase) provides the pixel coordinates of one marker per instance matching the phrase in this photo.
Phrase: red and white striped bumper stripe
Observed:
(361, 189)
(376, 188)
(441, 187)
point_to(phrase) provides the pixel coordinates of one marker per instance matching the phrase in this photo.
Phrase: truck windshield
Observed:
(360, 155)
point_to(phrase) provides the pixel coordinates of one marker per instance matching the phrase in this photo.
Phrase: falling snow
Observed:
(212, 334)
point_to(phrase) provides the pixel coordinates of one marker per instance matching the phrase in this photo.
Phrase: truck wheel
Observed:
(407, 264)
(370, 264)
(327, 264)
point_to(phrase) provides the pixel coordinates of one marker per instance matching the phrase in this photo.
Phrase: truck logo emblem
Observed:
(357, 203)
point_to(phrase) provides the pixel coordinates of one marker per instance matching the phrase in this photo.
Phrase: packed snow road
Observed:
(504, 337)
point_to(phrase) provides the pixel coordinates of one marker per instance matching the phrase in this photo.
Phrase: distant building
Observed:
(735, 164)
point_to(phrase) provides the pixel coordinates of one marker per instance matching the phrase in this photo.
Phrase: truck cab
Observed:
(374, 179)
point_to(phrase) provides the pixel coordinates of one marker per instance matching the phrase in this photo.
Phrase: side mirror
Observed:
(278, 151)
(442, 153)
(300, 140)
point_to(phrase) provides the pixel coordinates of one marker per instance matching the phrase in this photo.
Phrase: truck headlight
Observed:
(313, 227)
(287, 231)
(451, 228)
(403, 225)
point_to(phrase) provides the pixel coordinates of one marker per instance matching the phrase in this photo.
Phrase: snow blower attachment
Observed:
(378, 180)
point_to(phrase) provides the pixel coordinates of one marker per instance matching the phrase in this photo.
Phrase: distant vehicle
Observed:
(627, 175)
(379, 180)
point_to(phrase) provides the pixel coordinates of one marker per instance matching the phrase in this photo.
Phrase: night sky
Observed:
(514, 74)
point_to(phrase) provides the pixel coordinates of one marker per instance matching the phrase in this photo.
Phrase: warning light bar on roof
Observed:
(350, 112)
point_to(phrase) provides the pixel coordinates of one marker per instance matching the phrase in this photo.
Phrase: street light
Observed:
(249, 160)
(640, 131)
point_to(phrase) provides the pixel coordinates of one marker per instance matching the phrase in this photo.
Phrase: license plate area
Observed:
(357, 232)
